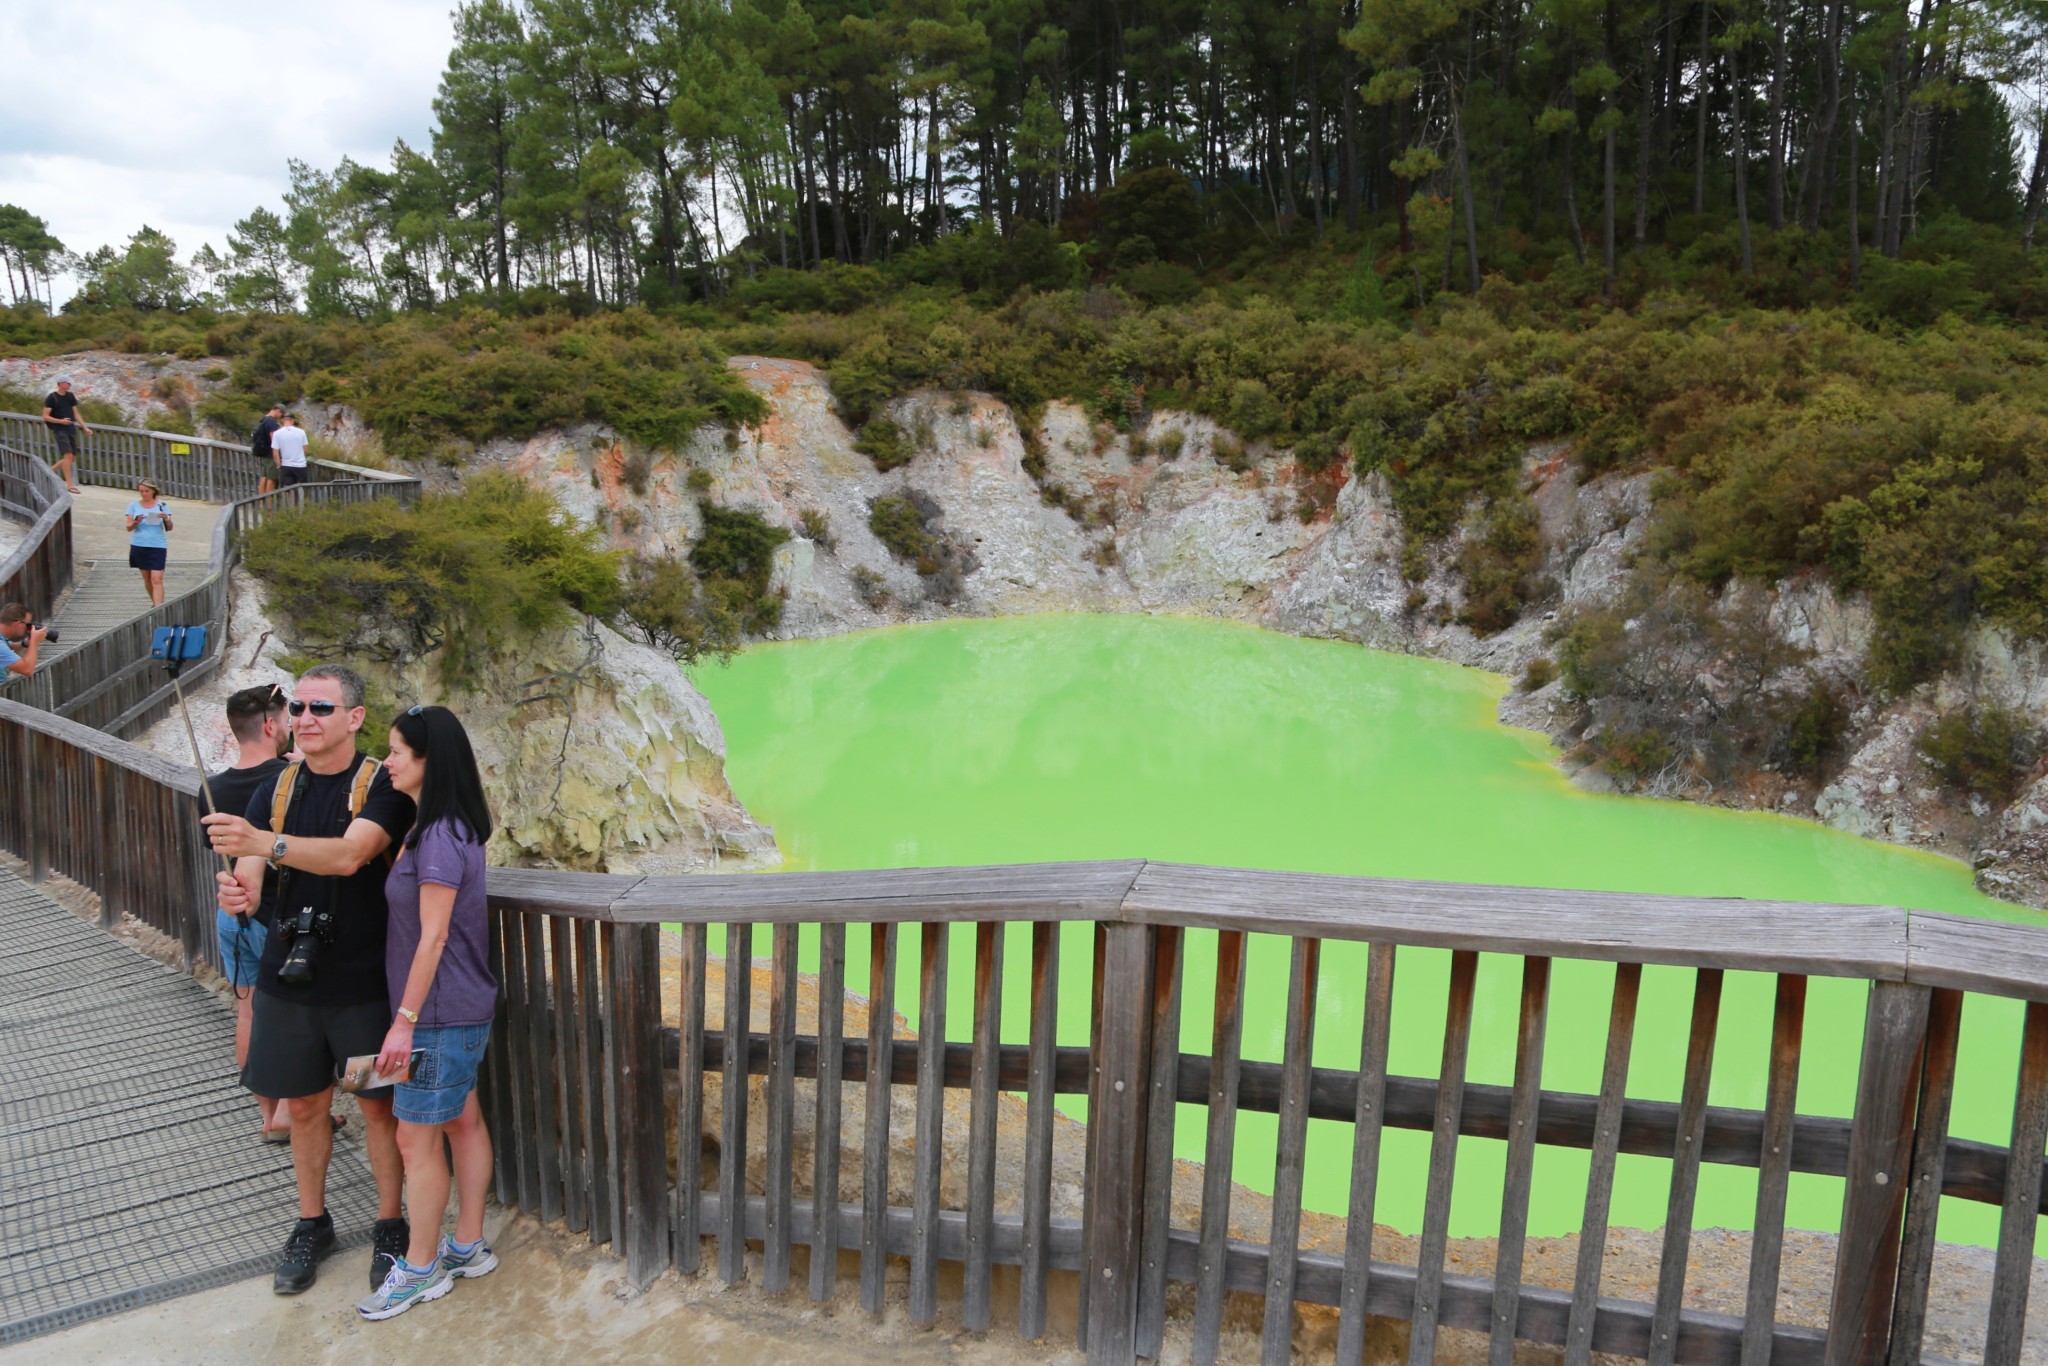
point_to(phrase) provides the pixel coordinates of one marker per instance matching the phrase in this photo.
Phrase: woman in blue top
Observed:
(149, 521)
(437, 966)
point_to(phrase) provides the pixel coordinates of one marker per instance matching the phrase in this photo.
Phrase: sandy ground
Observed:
(554, 1298)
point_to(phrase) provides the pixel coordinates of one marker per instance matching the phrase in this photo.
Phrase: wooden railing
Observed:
(39, 569)
(109, 682)
(182, 466)
(574, 1082)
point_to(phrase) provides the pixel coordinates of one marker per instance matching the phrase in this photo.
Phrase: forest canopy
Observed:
(622, 151)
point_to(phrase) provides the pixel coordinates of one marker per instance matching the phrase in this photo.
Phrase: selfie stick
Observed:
(178, 646)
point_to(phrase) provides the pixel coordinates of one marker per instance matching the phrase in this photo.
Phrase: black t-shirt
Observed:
(351, 969)
(61, 405)
(231, 790)
(259, 445)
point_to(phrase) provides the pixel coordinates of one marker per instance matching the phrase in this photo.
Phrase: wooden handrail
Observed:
(38, 570)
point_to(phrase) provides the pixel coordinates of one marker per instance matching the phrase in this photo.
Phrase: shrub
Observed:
(699, 481)
(899, 524)
(872, 588)
(881, 440)
(666, 605)
(736, 544)
(1673, 678)
(908, 524)
(1538, 673)
(1813, 733)
(817, 527)
(429, 384)
(1502, 563)
(462, 573)
(1984, 749)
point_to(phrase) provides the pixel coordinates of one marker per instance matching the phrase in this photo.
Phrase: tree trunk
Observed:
(1855, 208)
(1699, 137)
(1813, 177)
(1465, 195)
(1739, 118)
(2037, 184)
(1571, 199)
(1646, 129)
(1774, 188)
(1607, 228)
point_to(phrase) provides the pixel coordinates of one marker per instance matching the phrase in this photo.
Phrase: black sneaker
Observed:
(311, 1240)
(389, 1238)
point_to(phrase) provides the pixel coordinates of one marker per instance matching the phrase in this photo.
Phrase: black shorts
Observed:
(287, 475)
(147, 556)
(298, 1050)
(66, 439)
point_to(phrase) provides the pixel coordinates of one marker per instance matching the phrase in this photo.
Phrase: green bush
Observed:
(1985, 749)
(666, 605)
(464, 573)
(1502, 562)
(1539, 672)
(881, 440)
(899, 525)
(436, 385)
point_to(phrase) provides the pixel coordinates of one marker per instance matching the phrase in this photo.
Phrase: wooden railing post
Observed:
(1880, 1162)
(41, 804)
(642, 1118)
(1116, 1197)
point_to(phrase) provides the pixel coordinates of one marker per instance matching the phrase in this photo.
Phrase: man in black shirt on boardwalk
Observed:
(259, 446)
(256, 716)
(60, 415)
(330, 867)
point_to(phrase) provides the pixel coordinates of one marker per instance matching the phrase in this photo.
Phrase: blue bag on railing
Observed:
(178, 644)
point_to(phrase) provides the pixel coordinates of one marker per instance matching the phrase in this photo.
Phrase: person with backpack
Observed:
(443, 995)
(326, 825)
(259, 446)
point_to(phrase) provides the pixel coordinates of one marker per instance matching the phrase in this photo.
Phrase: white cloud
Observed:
(182, 114)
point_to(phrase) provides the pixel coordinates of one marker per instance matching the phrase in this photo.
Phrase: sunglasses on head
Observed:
(319, 708)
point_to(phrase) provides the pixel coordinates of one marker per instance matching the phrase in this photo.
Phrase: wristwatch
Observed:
(277, 849)
(411, 1016)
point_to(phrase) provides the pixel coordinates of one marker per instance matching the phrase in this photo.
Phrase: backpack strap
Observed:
(281, 799)
(359, 790)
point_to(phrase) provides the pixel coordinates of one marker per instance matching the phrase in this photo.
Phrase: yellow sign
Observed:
(180, 448)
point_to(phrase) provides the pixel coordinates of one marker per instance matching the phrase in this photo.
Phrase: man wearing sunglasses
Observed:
(326, 858)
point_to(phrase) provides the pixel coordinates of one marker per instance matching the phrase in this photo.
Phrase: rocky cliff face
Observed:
(597, 752)
(1179, 520)
(1114, 524)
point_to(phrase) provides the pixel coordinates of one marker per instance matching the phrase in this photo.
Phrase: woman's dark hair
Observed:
(452, 789)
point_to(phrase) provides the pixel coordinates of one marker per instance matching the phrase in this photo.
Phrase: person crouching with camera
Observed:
(323, 829)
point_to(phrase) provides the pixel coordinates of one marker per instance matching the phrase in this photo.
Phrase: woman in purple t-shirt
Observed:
(437, 965)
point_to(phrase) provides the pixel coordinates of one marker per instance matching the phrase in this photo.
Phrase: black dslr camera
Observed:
(49, 635)
(304, 931)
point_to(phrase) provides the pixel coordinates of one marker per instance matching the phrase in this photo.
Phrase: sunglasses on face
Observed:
(321, 708)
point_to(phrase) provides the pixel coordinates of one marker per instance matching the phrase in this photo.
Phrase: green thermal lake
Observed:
(1032, 739)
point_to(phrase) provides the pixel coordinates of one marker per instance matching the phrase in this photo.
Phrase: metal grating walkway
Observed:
(130, 1171)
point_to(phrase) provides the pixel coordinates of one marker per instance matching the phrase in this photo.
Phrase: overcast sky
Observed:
(182, 113)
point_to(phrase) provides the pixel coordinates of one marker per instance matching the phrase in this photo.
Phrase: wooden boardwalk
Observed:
(130, 1169)
(105, 592)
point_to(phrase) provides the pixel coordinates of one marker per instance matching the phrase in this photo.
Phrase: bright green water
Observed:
(1098, 737)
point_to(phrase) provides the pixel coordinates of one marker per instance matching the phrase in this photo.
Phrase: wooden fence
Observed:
(585, 1132)
(182, 466)
(109, 683)
(37, 571)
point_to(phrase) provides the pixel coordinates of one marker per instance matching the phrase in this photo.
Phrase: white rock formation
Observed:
(596, 751)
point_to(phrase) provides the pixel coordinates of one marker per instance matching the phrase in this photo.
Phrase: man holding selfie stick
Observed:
(325, 826)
